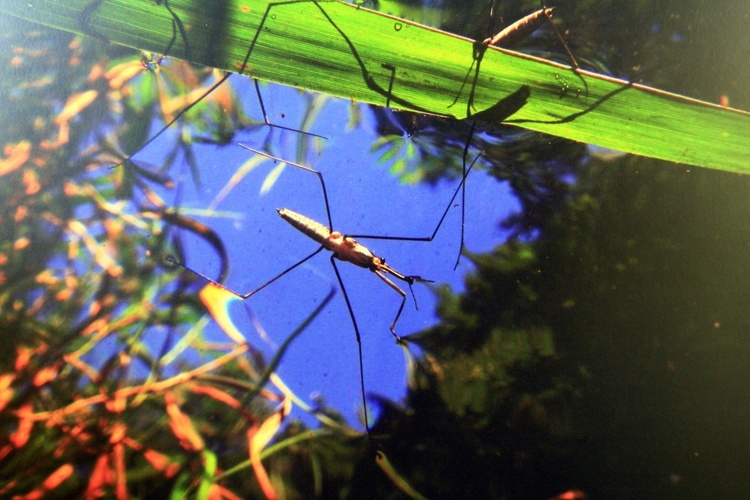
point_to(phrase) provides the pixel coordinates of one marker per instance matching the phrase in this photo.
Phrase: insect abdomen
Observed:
(346, 249)
(306, 225)
(520, 29)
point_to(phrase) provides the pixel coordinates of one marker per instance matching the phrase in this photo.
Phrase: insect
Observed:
(507, 37)
(343, 248)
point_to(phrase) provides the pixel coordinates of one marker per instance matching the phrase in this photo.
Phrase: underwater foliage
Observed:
(97, 397)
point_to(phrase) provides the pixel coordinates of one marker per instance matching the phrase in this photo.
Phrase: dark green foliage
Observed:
(594, 356)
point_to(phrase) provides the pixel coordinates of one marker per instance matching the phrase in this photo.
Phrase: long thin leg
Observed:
(574, 64)
(463, 191)
(393, 238)
(176, 23)
(173, 120)
(273, 364)
(307, 169)
(400, 308)
(392, 69)
(242, 67)
(265, 116)
(359, 342)
(440, 222)
(247, 295)
(522, 28)
(477, 54)
(572, 59)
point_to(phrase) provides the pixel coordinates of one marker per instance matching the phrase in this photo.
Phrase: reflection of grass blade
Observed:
(397, 479)
(217, 300)
(239, 174)
(258, 437)
(271, 178)
(181, 425)
(184, 343)
(315, 106)
(82, 404)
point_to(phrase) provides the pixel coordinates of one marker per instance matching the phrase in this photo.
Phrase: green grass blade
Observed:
(338, 49)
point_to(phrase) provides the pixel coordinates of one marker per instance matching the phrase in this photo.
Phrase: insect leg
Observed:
(265, 116)
(440, 222)
(307, 169)
(273, 364)
(359, 341)
(176, 23)
(243, 296)
(476, 56)
(525, 26)
(181, 113)
(174, 119)
(548, 14)
(400, 308)
(573, 62)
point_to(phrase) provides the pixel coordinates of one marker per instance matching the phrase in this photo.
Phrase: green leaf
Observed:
(342, 50)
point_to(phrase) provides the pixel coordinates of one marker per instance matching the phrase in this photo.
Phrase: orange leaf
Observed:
(56, 478)
(117, 404)
(6, 392)
(161, 463)
(75, 104)
(217, 394)
(22, 212)
(31, 181)
(117, 432)
(16, 155)
(260, 472)
(25, 424)
(100, 477)
(217, 299)
(118, 457)
(258, 438)
(120, 74)
(21, 243)
(10, 484)
(44, 375)
(218, 492)
(181, 425)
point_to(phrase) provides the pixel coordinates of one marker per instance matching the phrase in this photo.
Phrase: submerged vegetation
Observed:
(602, 348)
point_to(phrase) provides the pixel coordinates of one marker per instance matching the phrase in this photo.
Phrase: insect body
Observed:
(507, 37)
(344, 247)
(347, 249)
(521, 29)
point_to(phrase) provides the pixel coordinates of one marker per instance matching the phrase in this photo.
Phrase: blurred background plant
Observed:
(98, 396)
